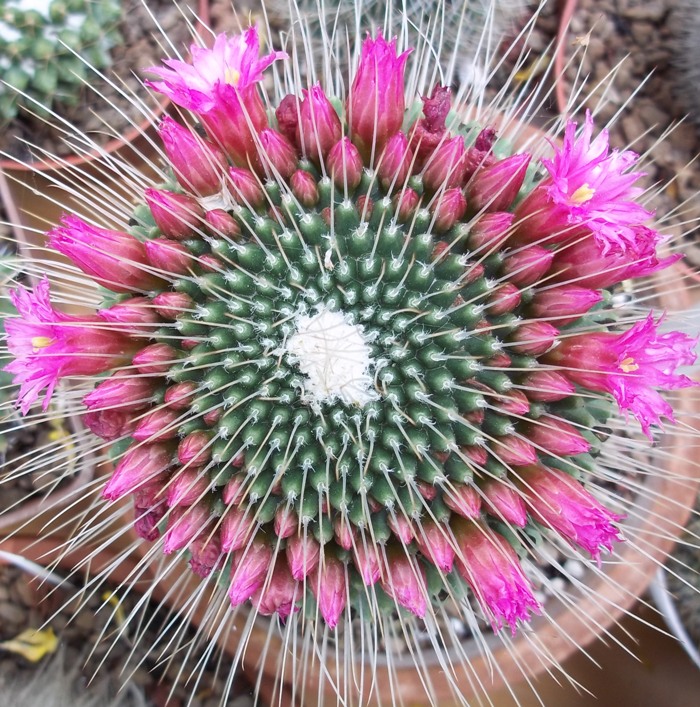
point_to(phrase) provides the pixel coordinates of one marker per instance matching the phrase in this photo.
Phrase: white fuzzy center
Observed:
(334, 357)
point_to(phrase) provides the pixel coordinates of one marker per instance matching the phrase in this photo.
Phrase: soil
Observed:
(104, 113)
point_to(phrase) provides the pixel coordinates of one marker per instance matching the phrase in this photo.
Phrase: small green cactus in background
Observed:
(45, 46)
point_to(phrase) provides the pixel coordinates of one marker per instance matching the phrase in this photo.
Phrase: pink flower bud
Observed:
(168, 256)
(181, 395)
(319, 127)
(404, 581)
(566, 303)
(246, 187)
(206, 553)
(155, 359)
(171, 305)
(449, 208)
(148, 512)
(495, 187)
(366, 561)
(396, 162)
(434, 542)
(557, 437)
(534, 338)
(480, 154)
(303, 552)
(234, 490)
(157, 426)
(222, 223)
(558, 501)
(463, 500)
(405, 204)
(112, 258)
(304, 188)
(492, 569)
(547, 386)
(504, 299)
(287, 114)
(401, 527)
(528, 265)
(186, 488)
(428, 132)
(329, 585)
(286, 521)
(176, 215)
(141, 464)
(237, 527)
(121, 389)
(514, 451)
(279, 594)
(515, 403)
(504, 502)
(278, 153)
(250, 568)
(343, 532)
(345, 165)
(184, 525)
(109, 424)
(195, 449)
(376, 104)
(491, 230)
(137, 313)
(478, 455)
(199, 165)
(445, 169)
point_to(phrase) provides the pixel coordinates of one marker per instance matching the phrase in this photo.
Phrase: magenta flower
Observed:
(329, 585)
(492, 569)
(376, 104)
(588, 187)
(558, 501)
(630, 366)
(48, 345)
(220, 85)
(140, 466)
(587, 264)
(176, 215)
(319, 126)
(114, 259)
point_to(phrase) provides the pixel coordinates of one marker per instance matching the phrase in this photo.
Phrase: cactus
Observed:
(354, 358)
(45, 50)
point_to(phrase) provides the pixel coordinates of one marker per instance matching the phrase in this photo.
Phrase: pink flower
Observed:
(48, 345)
(396, 162)
(492, 569)
(176, 215)
(109, 424)
(319, 126)
(220, 86)
(329, 585)
(588, 187)
(184, 525)
(585, 263)
(376, 104)
(114, 259)
(558, 501)
(142, 465)
(345, 165)
(630, 366)
(120, 390)
(248, 573)
(280, 592)
(494, 187)
(404, 581)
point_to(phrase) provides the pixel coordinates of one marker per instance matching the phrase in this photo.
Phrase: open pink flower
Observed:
(48, 345)
(219, 84)
(560, 502)
(492, 569)
(376, 104)
(630, 366)
(588, 187)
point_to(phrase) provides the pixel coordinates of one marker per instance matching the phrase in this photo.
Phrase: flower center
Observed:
(334, 357)
(232, 76)
(627, 365)
(41, 342)
(583, 194)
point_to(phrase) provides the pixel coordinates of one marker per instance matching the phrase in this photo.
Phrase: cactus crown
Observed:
(45, 49)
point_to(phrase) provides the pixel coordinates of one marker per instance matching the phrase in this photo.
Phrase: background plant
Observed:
(46, 48)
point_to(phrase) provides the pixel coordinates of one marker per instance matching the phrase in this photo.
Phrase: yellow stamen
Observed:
(628, 365)
(41, 342)
(583, 194)
(232, 76)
